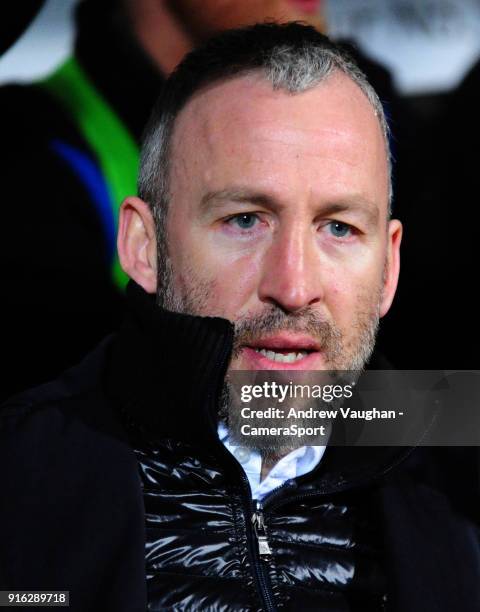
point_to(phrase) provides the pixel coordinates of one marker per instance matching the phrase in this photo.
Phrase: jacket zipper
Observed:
(258, 521)
(259, 548)
(256, 539)
(252, 516)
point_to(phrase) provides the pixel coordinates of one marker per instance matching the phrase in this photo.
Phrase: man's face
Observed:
(278, 221)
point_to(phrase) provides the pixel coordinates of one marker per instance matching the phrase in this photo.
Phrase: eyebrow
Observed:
(214, 199)
(355, 204)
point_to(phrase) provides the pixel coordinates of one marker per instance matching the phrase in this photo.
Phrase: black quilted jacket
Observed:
(115, 487)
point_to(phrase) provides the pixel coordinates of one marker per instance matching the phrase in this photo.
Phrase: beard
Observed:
(345, 357)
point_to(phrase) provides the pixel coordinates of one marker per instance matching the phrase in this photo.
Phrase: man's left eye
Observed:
(339, 229)
(244, 221)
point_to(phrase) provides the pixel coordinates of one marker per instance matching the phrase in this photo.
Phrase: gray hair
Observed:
(292, 57)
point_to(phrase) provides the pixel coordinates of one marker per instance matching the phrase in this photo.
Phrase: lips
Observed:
(286, 342)
(283, 351)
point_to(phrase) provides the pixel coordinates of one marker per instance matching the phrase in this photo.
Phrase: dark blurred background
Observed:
(77, 82)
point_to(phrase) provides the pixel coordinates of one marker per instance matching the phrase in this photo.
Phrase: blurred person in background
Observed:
(72, 142)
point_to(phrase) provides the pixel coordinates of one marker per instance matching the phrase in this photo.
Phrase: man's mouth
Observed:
(282, 350)
(282, 356)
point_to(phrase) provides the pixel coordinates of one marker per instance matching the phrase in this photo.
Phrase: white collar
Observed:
(297, 463)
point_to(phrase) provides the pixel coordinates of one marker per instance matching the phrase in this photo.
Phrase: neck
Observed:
(267, 465)
(159, 33)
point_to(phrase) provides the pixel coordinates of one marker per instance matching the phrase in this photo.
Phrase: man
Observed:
(261, 240)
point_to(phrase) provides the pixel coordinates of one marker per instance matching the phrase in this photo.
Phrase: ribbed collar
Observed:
(167, 369)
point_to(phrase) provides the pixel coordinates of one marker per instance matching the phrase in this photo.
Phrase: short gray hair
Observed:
(292, 56)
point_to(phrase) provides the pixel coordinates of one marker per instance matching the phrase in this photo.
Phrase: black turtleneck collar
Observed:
(167, 369)
(123, 73)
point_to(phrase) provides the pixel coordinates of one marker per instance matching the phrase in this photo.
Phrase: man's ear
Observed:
(392, 267)
(136, 243)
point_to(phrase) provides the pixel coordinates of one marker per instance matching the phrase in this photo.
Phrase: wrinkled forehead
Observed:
(248, 94)
(245, 118)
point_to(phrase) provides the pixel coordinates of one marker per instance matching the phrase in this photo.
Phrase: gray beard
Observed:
(193, 298)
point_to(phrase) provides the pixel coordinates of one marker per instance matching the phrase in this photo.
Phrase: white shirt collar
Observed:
(297, 463)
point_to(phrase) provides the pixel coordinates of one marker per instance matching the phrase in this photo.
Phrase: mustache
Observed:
(273, 319)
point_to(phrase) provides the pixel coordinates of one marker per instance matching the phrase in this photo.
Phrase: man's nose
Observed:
(291, 277)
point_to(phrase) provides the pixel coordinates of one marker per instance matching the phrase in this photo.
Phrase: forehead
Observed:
(326, 138)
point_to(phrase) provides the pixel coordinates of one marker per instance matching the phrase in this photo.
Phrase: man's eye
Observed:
(339, 229)
(244, 221)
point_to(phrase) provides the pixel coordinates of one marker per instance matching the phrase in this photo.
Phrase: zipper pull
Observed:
(260, 533)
